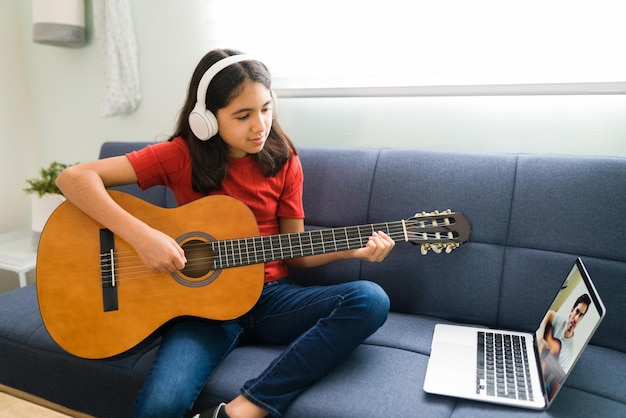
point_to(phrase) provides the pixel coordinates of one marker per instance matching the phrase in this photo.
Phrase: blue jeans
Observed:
(320, 326)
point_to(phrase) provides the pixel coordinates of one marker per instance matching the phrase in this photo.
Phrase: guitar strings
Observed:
(128, 265)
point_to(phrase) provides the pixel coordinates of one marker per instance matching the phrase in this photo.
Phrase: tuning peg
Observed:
(438, 248)
(452, 246)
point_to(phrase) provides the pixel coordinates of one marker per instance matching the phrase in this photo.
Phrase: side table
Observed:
(17, 253)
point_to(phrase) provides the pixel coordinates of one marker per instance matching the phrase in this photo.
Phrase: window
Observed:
(433, 47)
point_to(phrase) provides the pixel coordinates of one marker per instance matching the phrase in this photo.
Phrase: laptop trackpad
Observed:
(452, 366)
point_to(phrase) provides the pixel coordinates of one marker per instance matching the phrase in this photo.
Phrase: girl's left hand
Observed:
(377, 248)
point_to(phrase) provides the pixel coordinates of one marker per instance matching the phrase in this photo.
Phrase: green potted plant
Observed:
(45, 196)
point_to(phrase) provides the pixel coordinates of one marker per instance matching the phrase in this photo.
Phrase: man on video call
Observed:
(555, 338)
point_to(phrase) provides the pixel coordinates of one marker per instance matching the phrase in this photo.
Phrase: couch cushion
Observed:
(555, 197)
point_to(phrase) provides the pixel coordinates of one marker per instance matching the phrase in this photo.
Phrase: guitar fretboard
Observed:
(253, 250)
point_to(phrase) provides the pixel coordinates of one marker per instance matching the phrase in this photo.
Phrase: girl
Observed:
(243, 153)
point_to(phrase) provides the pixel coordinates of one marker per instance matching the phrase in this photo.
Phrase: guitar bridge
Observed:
(107, 271)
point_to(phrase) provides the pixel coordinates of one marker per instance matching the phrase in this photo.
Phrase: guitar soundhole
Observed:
(199, 256)
(199, 270)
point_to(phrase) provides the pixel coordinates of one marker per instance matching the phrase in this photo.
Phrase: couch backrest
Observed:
(531, 216)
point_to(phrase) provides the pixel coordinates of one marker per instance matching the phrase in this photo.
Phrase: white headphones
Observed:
(203, 122)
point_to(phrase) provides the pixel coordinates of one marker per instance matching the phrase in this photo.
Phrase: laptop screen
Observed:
(567, 327)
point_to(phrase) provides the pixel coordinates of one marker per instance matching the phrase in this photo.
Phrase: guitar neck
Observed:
(262, 249)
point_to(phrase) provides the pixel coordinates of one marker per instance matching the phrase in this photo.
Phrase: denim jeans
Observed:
(319, 325)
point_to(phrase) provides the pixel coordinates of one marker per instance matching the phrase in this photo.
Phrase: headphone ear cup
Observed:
(203, 123)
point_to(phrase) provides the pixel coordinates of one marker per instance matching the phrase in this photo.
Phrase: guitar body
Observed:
(553, 344)
(70, 275)
(553, 373)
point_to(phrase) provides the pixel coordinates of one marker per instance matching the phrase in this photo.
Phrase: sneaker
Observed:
(218, 412)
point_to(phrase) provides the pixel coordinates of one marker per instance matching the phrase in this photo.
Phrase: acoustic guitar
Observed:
(97, 299)
(553, 373)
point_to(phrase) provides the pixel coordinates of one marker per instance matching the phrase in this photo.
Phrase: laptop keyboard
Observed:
(502, 366)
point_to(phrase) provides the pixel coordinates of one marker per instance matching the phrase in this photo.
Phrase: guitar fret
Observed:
(267, 253)
(305, 244)
(290, 245)
(271, 251)
(347, 238)
(302, 244)
(311, 239)
(325, 239)
(278, 251)
(296, 249)
(240, 253)
(231, 254)
(364, 233)
(219, 255)
(353, 235)
(228, 246)
(275, 243)
(338, 239)
(261, 253)
(224, 252)
(262, 239)
(248, 250)
(254, 251)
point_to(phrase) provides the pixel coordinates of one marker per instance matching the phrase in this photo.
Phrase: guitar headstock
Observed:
(437, 231)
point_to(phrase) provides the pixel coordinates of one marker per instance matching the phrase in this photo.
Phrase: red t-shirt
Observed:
(169, 164)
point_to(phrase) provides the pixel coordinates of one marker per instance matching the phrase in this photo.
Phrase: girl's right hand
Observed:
(159, 251)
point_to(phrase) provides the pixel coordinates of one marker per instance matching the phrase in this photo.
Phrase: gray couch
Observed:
(531, 215)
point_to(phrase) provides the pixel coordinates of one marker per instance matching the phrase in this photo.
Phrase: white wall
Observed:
(17, 138)
(52, 111)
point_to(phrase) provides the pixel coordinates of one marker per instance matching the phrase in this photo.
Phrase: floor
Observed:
(15, 407)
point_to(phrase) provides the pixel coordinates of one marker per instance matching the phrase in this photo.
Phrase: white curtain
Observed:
(116, 40)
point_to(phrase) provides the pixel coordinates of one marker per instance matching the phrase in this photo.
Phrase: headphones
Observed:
(203, 122)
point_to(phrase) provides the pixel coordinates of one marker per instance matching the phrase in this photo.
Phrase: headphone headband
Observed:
(203, 86)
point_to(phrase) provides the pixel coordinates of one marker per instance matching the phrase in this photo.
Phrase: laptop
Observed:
(516, 368)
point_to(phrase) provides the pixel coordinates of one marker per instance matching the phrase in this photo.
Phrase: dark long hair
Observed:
(209, 159)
